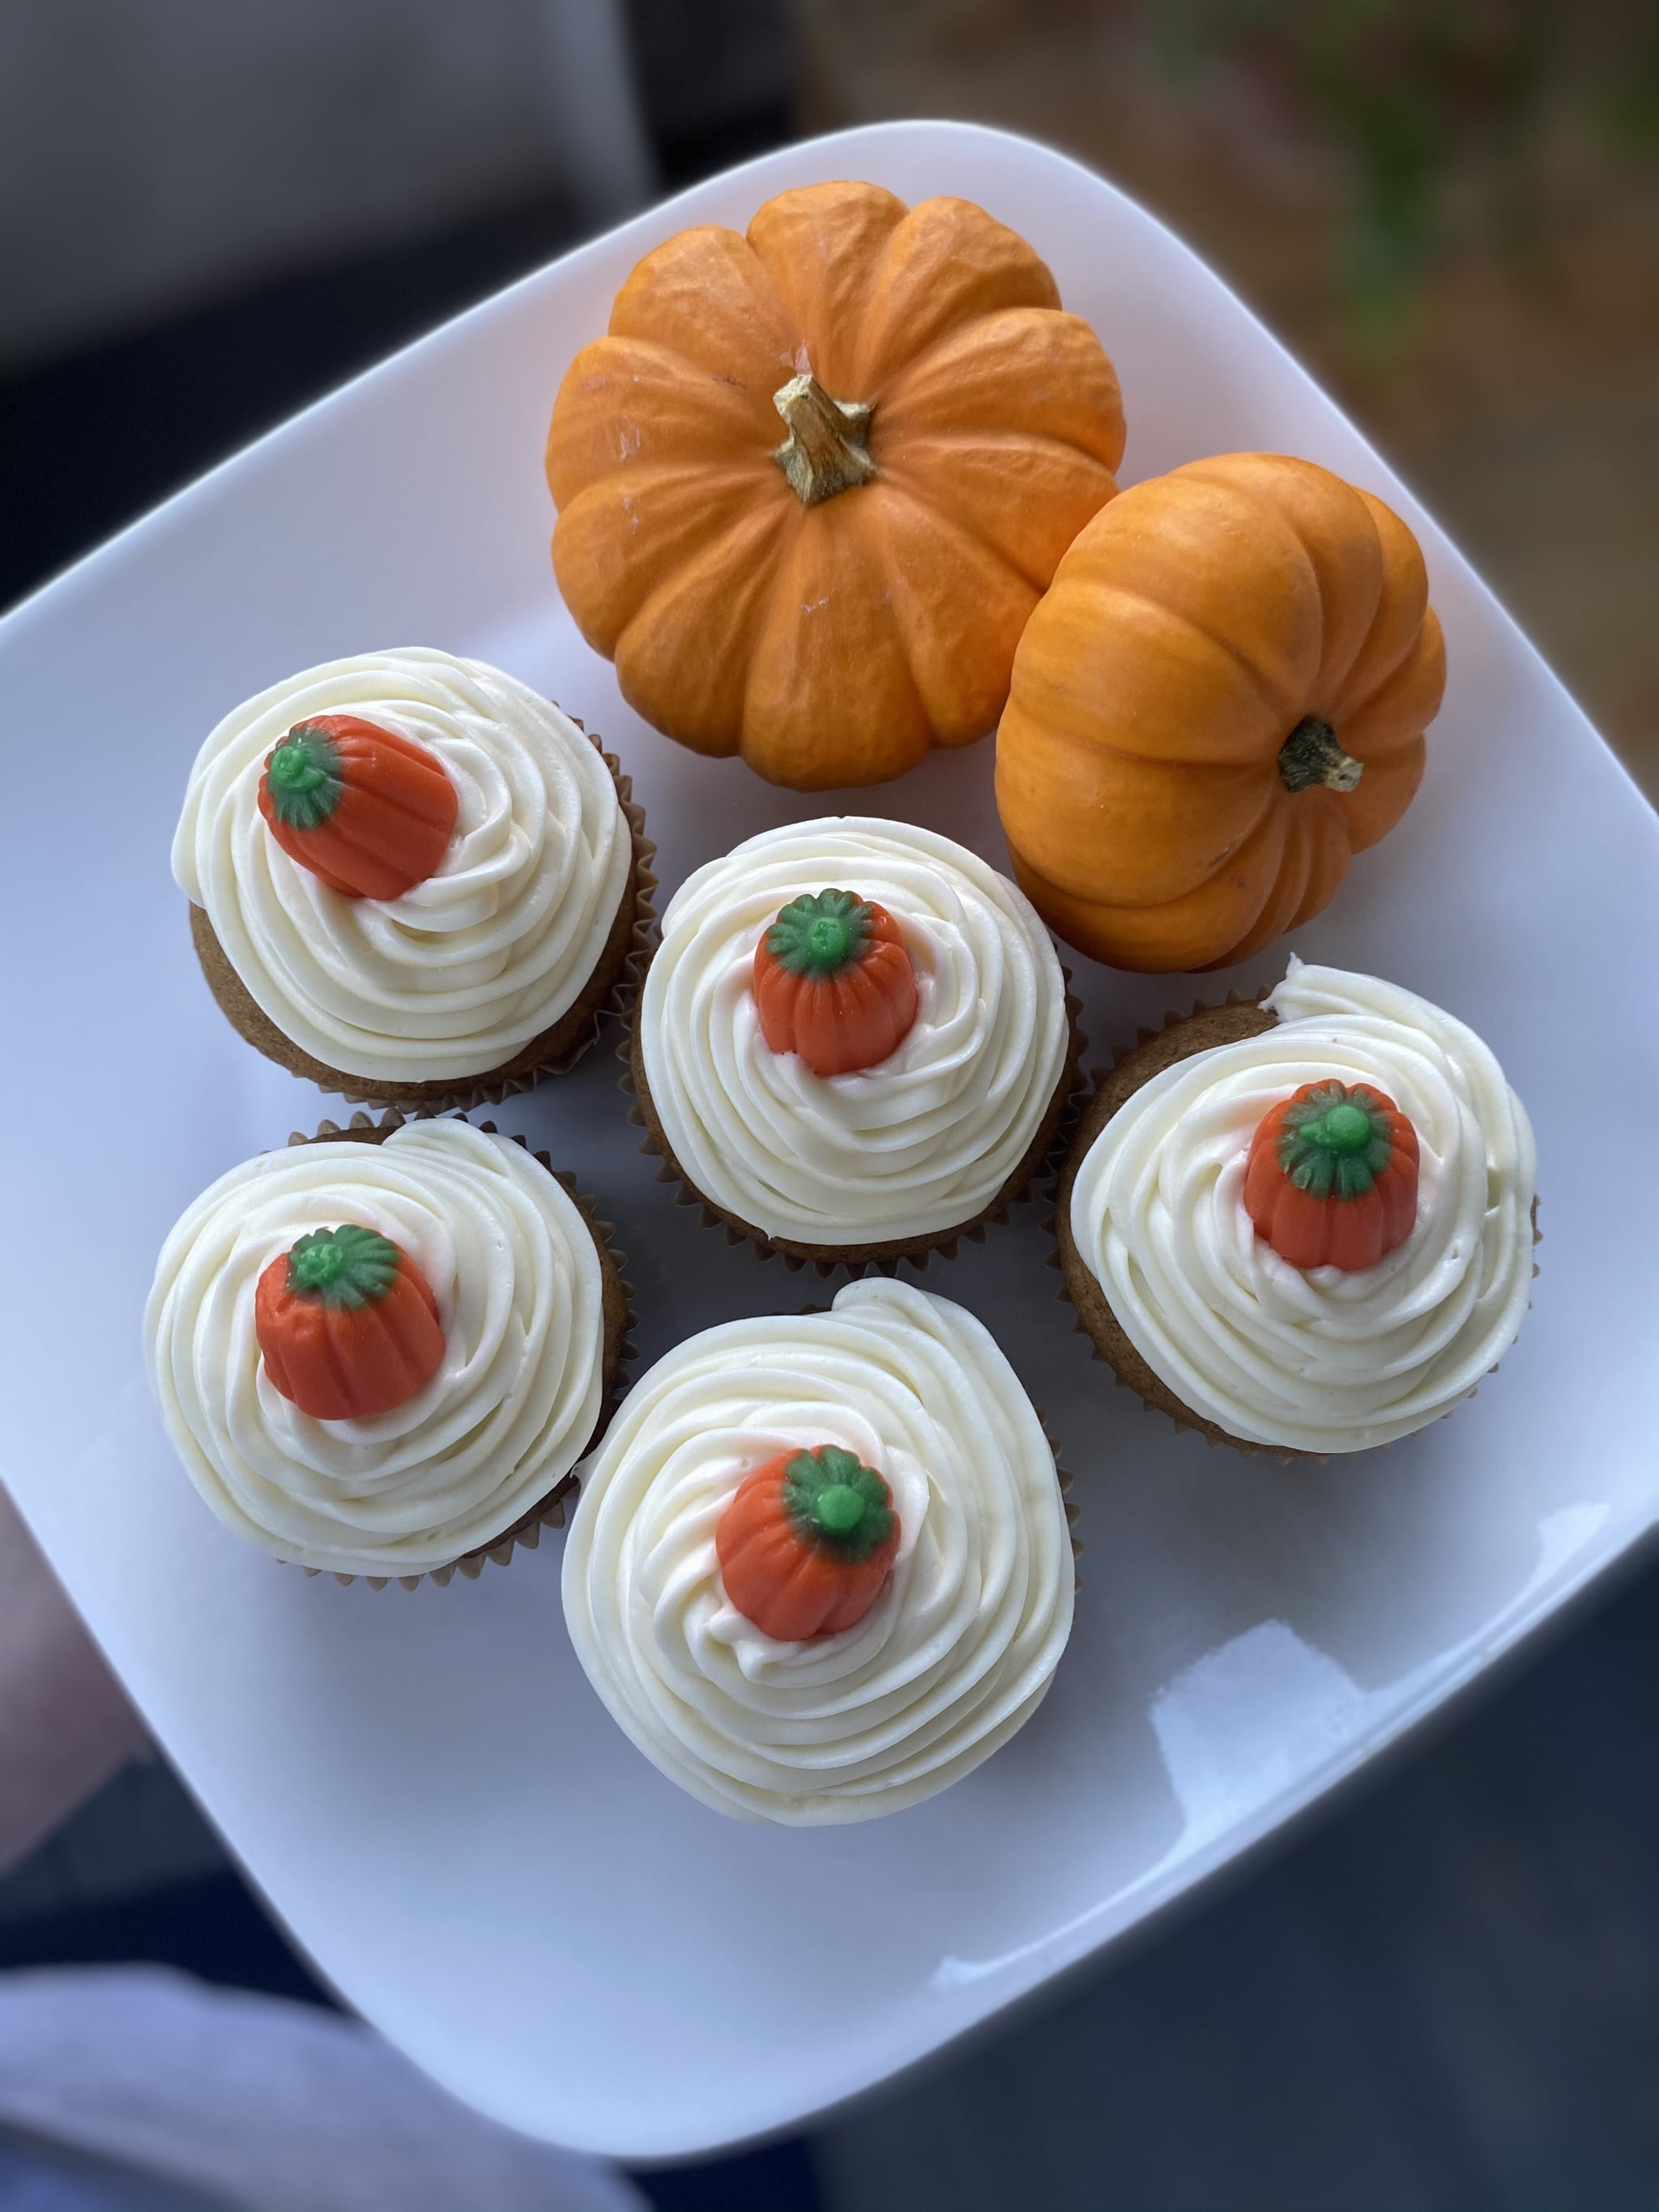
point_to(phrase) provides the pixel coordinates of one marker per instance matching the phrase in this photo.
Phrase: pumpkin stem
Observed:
(350, 1266)
(826, 449)
(1335, 1140)
(820, 934)
(837, 1504)
(1311, 756)
(303, 776)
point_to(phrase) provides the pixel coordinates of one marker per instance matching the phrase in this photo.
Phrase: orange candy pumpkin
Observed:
(369, 812)
(1331, 1181)
(807, 1542)
(834, 982)
(1221, 700)
(831, 604)
(346, 1324)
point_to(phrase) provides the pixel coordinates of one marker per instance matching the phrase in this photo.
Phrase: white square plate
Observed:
(423, 1785)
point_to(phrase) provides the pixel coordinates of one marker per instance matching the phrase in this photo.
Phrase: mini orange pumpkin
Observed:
(807, 1542)
(1331, 1181)
(369, 812)
(832, 606)
(346, 1324)
(834, 982)
(1221, 699)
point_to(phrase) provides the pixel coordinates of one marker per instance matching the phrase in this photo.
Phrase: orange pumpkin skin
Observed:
(1333, 1231)
(341, 1362)
(381, 818)
(830, 643)
(776, 1578)
(849, 1019)
(1198, 622)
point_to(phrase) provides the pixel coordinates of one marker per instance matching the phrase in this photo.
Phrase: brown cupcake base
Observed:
(610, 989)
(863, 1259)
(619, 1322)
(1202, 1030)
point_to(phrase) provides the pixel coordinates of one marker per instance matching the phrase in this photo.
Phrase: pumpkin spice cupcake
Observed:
(382, 1351)
(821, 1567)
(853, 1044)
(412, 879)
(1304, 1226)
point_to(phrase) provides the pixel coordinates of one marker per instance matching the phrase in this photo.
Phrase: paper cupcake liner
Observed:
(881, 1259)
(620, 1321)
(1064, 1477)
(610, 990)
(1238, 1016)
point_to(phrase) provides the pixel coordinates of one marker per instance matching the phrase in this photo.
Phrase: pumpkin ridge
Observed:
(974, 552)
(1264, 513)
(952, 331)
(333, 1358)
(1315, 686)
(1327, 865)
(899, 475)
(1272, 830)
(678, 571)
(1270, 705)
(941, 520)
(1282, 908)
(820, 244)
(398, 1353)
(355, 825)
(653, 631)
(884, 344)
(1093, 428)
(1210, 636)
(1410, 648)
(724, 414)
(701, 284)
(778, 582)
(1246, 854)
(1325, 696)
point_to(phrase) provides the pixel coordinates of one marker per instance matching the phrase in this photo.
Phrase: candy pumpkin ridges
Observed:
(346, 1324)
(369, 812)
(807, 1542)
(832, 982)
(1331, 1180)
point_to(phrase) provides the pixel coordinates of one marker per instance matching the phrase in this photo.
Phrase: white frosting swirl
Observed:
(921, 1142)
(521, 1295)
(958, 1649)
(1321, 1361)
(461, 972)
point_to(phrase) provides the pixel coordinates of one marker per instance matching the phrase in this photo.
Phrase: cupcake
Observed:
(381, 1351)
(821, 1567)
(853, 1043)
(411, 879)
(1304, 1226)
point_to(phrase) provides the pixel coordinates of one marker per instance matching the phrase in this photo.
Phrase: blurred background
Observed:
(1444, 1997)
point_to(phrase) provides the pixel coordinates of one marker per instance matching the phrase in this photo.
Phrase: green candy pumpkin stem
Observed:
(820, 934)
(303, 775)
(348, 1267)
(836, 1503)
(1336, 1140)
(1310, 757)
